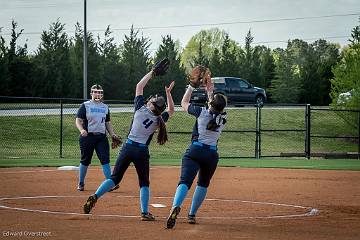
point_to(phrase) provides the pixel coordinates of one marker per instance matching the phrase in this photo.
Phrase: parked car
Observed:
(237, 90)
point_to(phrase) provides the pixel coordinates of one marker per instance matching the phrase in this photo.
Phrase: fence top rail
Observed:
(335, 110)
(10, 99)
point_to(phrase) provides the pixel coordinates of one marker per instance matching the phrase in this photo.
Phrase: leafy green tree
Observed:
(210, 40)
(250, 61)
(286, 85)
(77, 60)
(311, 64)
(111, 67)
(16, 67)
(54, 69)
(135, 57)
(94, 68)
(200, 58)
(306, 61)
(326, 57)
(4, 68)
(267, 66)
(347, 75)
(176, 72)
(215, 63)
(229, 65)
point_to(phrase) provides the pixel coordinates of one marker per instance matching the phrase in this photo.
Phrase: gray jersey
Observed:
(200, 131)
(94, 116)
(144, 123)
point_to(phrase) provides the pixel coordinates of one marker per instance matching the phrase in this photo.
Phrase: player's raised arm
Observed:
(142, 83)
(199, 76)
(185, 102)
(169, 99)
(159, 69)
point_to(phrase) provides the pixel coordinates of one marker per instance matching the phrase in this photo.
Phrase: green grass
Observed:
(36, 138)
(319, 164)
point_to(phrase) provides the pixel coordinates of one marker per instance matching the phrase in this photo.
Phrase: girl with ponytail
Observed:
(149, 116)
(201, 157)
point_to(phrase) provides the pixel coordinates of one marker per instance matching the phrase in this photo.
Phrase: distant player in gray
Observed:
(148, 117)
(201, 156)
(92, 120)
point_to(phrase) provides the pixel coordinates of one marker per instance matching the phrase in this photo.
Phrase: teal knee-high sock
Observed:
(104, 187)
(82, 173)
(106, 170)
(198, 198)
(144, 199)
(180, 195)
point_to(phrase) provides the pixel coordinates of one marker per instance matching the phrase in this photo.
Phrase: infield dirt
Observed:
(242, 203)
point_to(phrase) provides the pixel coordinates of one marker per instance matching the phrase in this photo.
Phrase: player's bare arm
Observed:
(79, 125)
(142, 83)
(159, 69)
(209, 87)
(110, 128)
(169, 99)
(185, 102)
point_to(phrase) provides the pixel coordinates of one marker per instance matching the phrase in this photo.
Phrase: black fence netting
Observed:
(44, 128)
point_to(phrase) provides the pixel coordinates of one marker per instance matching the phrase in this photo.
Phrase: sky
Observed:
(272, 22)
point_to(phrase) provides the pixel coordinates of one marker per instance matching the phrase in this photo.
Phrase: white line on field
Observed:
(310, 211)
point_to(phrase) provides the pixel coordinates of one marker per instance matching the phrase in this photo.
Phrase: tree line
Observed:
(301, 73)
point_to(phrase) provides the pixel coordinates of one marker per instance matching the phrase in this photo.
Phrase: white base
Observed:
(68, 168)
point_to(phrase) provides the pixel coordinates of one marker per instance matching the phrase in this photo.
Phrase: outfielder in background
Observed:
(148, 117)
(201, 156)
(92, 120)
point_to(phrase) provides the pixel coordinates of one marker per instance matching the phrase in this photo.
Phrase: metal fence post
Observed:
(61, 129)
(358, 135)
(258, 136)
(307, 131)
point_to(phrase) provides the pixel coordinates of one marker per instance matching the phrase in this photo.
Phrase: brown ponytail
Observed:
(162, 135)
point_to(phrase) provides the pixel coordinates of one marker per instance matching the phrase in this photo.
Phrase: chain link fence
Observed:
(340, 139)
(43, 128)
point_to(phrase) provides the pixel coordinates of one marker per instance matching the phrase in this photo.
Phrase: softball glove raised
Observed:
(161, 67)
(199, 76)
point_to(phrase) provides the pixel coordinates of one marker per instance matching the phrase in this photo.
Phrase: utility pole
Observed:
(85, 54)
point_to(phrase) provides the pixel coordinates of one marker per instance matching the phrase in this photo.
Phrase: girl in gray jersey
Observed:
(202, 155)
(93, 120)
(147, 119)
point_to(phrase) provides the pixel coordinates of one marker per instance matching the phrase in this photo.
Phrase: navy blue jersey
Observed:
(200, 131)
(144, 122)
(94, 116)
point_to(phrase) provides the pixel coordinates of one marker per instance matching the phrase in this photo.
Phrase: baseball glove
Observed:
(116, 141)
(199, 76)
(161, 67)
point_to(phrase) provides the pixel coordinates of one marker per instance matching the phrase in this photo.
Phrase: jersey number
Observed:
(147, 123)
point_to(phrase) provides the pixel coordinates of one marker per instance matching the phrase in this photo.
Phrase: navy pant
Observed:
(99, 143)
(198, 159)
(137, 155)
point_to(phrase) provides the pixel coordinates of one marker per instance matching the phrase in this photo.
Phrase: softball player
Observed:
(92, 120)
(147, 118)
(201, 156)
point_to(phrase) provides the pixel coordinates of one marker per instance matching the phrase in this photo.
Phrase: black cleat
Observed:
(90, 203)
(147, 217)
(81, 187)
(191, 219)
(172, 217)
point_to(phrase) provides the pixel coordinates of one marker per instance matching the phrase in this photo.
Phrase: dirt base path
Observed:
(241, 204)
